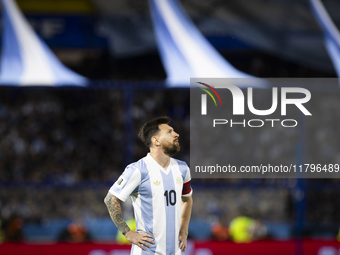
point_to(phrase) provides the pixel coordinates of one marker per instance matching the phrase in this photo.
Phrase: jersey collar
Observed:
(155, 164)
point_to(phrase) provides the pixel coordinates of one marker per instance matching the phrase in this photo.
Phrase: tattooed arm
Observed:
(115, 211)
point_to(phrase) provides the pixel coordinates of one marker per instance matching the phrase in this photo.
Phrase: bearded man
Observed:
(161, 194)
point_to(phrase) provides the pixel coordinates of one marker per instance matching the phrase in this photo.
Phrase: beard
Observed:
(171, 149)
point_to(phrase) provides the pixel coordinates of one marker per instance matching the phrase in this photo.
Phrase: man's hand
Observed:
(139, 239)
(182, 238)
(115, 210)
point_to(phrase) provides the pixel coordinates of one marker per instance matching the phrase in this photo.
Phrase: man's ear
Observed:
(155, 141)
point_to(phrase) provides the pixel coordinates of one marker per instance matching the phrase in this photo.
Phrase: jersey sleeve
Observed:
(126, 183)
(187, 190)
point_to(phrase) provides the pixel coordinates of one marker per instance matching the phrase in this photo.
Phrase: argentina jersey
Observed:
(156, 198)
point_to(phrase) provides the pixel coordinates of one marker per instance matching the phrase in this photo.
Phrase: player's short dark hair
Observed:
(151, 128)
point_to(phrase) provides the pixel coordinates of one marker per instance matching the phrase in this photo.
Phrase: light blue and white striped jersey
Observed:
(156, 198)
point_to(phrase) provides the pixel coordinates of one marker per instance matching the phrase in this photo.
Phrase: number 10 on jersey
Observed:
(170, 197)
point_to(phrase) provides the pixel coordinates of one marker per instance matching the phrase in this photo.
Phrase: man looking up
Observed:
(160, 189)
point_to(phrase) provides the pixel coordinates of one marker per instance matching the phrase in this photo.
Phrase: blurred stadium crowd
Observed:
(61, 149)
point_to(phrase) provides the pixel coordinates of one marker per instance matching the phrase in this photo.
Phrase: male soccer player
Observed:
(159, 187)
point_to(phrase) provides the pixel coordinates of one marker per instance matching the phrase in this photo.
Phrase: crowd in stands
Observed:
(59, 137)
(61, 149)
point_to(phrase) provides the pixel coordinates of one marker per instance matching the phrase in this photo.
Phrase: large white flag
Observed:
(26, 59)
(185, 52)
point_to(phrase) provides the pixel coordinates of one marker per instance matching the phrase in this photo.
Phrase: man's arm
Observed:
(115, 211)
(185, 219)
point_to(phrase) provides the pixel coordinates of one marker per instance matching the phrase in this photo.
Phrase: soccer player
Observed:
(160, 189)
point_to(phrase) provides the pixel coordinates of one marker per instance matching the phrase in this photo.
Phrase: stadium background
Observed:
(62, 148)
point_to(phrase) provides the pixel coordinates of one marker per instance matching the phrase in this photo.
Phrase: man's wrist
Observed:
(183, 233)
(125, 231)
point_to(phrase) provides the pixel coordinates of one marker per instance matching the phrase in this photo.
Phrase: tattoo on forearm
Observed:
(115, 211)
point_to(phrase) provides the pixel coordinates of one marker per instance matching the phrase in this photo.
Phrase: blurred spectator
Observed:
(13, 229)
(75, 232)
(244, 229)
(219, 232)
(219, 229)
(2, 233)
